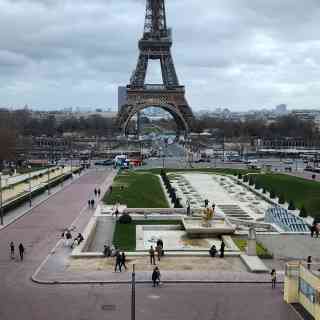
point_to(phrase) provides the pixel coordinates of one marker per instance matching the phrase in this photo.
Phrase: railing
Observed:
(292, 269)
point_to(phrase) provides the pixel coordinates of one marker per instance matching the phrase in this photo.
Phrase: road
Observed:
(39, 231)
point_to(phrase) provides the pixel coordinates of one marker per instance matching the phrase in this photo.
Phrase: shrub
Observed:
(264, 191)
(272, 194)
(257, 186)
(291, 205)
(282, 199)
(125, 219)
(239, 176)
(303, 212)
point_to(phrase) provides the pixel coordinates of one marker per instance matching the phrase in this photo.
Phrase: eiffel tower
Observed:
(155, 44)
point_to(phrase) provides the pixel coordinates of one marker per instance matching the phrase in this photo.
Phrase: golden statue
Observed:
(207, 216)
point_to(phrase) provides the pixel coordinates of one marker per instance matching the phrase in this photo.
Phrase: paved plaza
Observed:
(40, 231)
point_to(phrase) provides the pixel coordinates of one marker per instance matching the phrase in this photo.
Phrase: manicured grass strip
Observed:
(262, 252)
(140, 190)
(301, 191)
(124, 237)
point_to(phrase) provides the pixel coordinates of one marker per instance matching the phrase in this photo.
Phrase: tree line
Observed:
(21, 123)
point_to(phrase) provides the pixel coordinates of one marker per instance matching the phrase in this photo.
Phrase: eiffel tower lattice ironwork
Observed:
(170, 95)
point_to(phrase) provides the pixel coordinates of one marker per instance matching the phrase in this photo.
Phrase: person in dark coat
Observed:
(160, 244)
(156, 277)
(222, 249)
(106, 251)
(95, 192)
(92, 203)
(118, 262)
(213, 251)
(21, 251)
(273, 275)
(309, 262)
(99, 192)
(89, 203)
(12, 250)
(123, 260)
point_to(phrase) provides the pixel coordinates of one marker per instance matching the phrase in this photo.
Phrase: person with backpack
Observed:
(151, 254)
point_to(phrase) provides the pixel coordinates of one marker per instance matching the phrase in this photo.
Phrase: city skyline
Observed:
(240, 56)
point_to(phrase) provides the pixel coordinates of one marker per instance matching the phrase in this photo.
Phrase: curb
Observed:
(66, 282)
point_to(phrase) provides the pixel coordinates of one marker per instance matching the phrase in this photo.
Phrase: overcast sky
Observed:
(240, 54)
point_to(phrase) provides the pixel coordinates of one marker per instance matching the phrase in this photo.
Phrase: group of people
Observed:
(120, 257)
(158, 250)
(213, 250)
(12, 250)
(91, 203)
(69, 240)
(97, 192)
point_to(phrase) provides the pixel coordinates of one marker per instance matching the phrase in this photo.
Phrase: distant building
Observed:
(306, 114)
(122, 96)
(281, 109)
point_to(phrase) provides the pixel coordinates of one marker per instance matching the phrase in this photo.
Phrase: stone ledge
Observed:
(254, 264)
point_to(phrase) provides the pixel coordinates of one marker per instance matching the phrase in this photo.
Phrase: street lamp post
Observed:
(1, 201)
(48, 181)
(133, 295)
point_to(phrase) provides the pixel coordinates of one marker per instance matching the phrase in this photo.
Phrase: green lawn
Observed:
(262, 252)
(140, 190)
(301, 191)
(125, 234)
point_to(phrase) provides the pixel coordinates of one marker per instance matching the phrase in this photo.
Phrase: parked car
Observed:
(104, 163)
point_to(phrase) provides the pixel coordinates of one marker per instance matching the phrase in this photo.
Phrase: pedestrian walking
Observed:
(118, 262)
(116, 213)
(21, 251)
(206, 203)
(222, 247)
(89, 203)
(159, 251)
(188, 208)
(151, 253)
(99, 193)
(273, 275)
(12, 250)
(92, 203)
(123, 260)
(309, 262)
(156, 277)
(95, 192)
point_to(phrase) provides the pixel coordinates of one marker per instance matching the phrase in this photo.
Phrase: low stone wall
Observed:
(290, 245)
(155, 211)
(81, 250)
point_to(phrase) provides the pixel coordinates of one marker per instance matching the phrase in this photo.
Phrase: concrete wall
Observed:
(290, 245)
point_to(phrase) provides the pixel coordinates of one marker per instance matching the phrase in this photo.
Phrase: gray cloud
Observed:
(233, 53)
